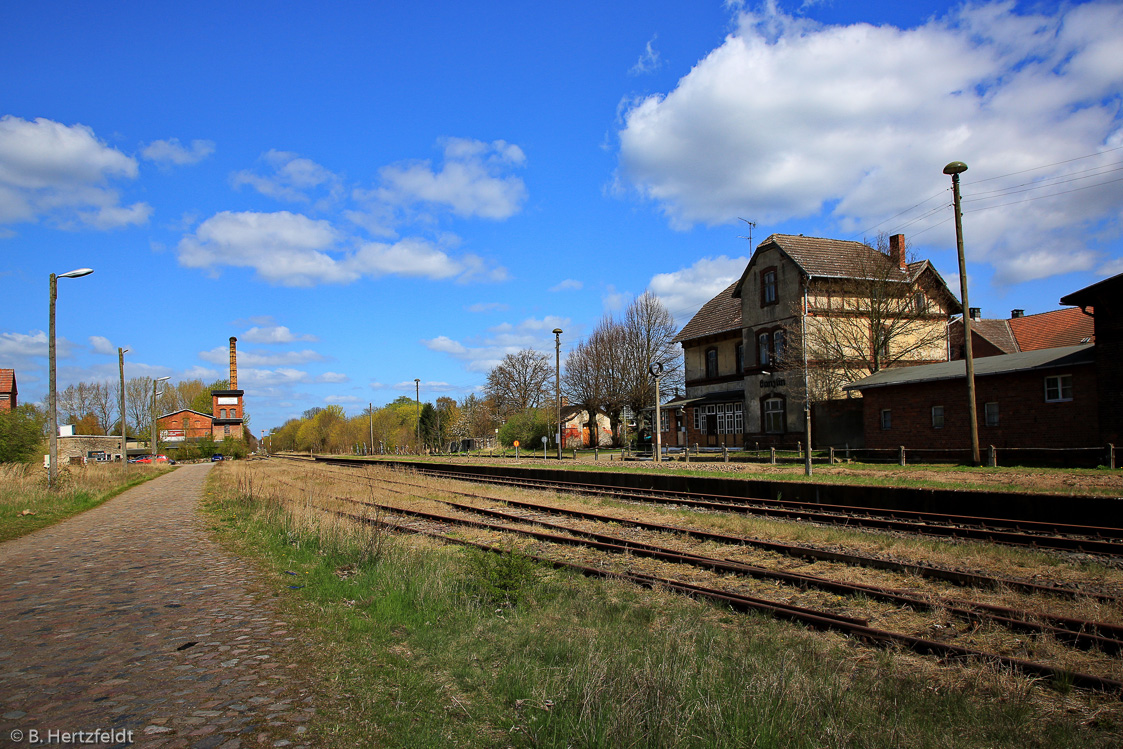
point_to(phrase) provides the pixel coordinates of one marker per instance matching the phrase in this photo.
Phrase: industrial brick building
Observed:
(225, 420)
(8, 392)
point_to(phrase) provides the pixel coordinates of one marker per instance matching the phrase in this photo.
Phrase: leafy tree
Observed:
(519, 381)
(430, 431)
(528, 427)
(21, 433)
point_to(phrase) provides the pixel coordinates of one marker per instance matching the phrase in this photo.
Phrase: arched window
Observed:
(711, 362)
(762, 350)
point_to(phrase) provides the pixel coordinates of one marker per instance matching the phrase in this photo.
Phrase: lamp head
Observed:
(955, 167)
(77, 273)
(557, 331)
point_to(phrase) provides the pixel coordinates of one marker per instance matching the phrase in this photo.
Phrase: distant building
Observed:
(8, 393)
(1022, 332)
(1102, 301)
(226, 419)
(578, 430)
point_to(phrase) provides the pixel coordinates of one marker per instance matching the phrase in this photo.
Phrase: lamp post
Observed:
(656, 370)
(417, 398)
(956, 168)
(370, 413)
(557, 386)
(154, 442)
(52, 469)
(124, 438)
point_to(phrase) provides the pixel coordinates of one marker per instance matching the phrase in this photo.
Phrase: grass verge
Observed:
(26, 505)
(413, 643)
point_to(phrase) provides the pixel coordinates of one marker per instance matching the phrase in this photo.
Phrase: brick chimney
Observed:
(233, 363)
(897, 251)
(1017, 313)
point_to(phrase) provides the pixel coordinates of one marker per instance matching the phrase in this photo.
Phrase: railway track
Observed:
(1011, 531)
(1104, 637)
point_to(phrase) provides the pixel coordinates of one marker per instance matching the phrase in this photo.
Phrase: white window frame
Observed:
(771, 414)
(1056, 386)
(937, 417)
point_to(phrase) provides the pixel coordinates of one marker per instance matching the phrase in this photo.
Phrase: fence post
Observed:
(772, 455)
(724, 454)
(993, 458)
(901, 455)
(596, 453)
(830, 455)
(686, 453)
(575, 453)
(1110, 455)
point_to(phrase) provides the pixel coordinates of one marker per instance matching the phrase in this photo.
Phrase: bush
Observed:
(528, 428)
(21, 432)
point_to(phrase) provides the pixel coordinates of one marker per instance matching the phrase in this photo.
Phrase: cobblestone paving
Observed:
(129, 618)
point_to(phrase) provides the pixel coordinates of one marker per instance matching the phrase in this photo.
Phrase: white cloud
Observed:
(686, 290)
(431, 386)
(649, 61)
(333, 377)
(171, 151)
(274, 334)
(788, 118)
(60, 172)
(568, 284)
(488, 307)
(101, 345)
(19, 345)
(293, 250)
(221, 355)
(473, 180)
(294, 179)
(252, 377)
(613, 300)
(343, 399)
(481, 355)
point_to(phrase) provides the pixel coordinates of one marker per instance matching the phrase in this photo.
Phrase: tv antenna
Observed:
(752, 225)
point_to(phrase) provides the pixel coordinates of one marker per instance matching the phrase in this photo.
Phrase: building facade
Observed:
(9, 395)
(225, 420)
(1101, 301)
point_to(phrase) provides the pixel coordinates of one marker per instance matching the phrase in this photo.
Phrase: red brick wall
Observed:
(1024, 419)
(197, 425)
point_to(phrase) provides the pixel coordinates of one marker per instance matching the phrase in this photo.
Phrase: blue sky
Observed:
(365, 193)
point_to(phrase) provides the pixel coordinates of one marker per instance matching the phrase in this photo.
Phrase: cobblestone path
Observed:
(129, 618)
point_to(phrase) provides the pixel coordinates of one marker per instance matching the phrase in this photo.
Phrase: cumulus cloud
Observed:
(221, 355)
(333, 377)
(171, 152)
(14, 345)
(274, 334)
(484, 353)
(472, 181)
(686, 290)
(432, 386)
(254, 377)
(291, 249)
(343, 400)
(62, 173)
(292, 178)
(488, 307)
(101, 345)
(788, 119)
(568, 285)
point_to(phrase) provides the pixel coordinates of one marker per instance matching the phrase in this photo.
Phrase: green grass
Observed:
(24, 489)
(415, 644)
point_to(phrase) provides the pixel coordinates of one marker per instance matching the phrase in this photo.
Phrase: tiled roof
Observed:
(1061, 327)
(1067, 356)
(840, 258)
(996, 332)
(1108, 288)
(7, 380)
(719, 315)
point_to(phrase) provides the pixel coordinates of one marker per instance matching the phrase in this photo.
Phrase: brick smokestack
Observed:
(233, 363)
(897, 251)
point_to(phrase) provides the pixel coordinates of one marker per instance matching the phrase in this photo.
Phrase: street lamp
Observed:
(154, 442)
(124, 439)
(52, 469)
(656, 370)
(417, 398)
(557, 385)
(956, 168)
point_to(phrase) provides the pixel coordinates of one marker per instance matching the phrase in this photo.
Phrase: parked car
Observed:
(161, 459)
(143, 459)
(216, 457)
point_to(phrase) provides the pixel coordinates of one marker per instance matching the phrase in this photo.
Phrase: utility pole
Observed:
(52, 468)
(370, 413)
(656, 370)
(417, 397)
(956, 168)
(124, 438)
(557, 387)
(806, 386)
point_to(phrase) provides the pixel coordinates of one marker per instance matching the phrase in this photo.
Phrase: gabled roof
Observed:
(185, 411)
(842, 258)
(719, 315)
(7, 380)
(1060, 327)
(1107, 289)
(989, 365)
(997, 332)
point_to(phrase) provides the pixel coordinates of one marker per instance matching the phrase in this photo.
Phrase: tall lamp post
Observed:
(154, 443)
(417, 398)
(956, 168)
(656, 370)
(557, 386)
(52, 469)
(124, 438)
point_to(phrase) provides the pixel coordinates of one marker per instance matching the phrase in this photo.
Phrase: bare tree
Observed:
(519, 381)
(138, 402)
(878, 317)
(649, 332)
(596, 373)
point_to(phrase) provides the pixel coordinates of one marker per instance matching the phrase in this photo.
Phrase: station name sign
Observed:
(773, 383)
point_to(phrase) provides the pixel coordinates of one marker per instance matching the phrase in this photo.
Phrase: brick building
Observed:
(1043, 398)
(1101, 301)
(225, 419)
(8, 391)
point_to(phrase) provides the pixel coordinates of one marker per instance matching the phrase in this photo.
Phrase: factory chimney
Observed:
(233, 363)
